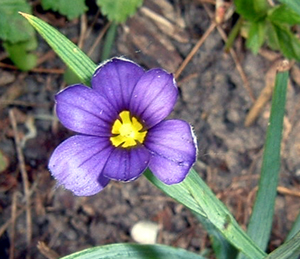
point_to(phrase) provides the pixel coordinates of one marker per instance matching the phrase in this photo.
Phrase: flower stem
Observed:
(197, 196)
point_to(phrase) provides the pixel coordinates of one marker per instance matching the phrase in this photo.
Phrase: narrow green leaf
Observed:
(109, 41)
(272, 37)
(13, 27)
(293, 4)
(119, 11)
(256, 36)
(283, 14)
(197, 196)
(133, 251)
(70, 8)
(222, 248)
(67, 50)
(233, 34)
(260, 224)
(288, 250)
(295, 228)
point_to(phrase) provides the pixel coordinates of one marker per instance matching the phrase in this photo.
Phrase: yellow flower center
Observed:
(127, 131)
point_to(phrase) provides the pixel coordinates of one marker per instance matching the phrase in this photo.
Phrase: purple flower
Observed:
(122, 131)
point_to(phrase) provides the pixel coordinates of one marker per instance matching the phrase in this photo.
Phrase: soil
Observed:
(213, 98)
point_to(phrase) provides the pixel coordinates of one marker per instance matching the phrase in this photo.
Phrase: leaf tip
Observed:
(26, 15)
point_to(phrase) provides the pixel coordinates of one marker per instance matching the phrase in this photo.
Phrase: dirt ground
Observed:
(217, 90)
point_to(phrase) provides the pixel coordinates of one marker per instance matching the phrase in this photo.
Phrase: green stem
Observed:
(109, 41)
(233, 34)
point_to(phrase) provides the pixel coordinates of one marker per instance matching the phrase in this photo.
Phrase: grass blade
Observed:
(65, 49)
(133, 251)
(109, 41)
(260, 224)
(289, 250)
(295, 228)
(222, 248)
(197, 196)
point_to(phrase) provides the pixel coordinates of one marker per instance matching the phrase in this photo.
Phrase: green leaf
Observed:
(283, 14)
(197, 196)
(119, 11)
(70, 8)
(289, 250)
(295, 228)
(20, 53)
(70, 77)
(289, 44)
(133, 251)
(251, 10)
(82, 66)
(13, 27)
(260, 6)
(272, 37)
(293, 4)
(260, 224)
(256, 36)
(222, 248)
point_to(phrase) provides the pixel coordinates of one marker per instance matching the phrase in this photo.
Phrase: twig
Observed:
(99, 38)
(36, 70)
(284, 190)
(13, 227)
(194, 50)
(49, 55)
(220, 11)
(83, 28)
(8, 222)
(46, 251)
(89, 30)
(24, 177)
(234, 57)
(266, 93)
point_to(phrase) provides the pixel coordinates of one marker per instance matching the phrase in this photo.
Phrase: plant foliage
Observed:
(18, 36)
(271, 25)
(70, 8)
(119, 11)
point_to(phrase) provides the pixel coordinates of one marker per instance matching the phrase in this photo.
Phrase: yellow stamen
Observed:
(127, 131)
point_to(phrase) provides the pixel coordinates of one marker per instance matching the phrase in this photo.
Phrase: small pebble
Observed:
(145, 232)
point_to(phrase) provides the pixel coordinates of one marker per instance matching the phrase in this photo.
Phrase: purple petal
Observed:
(126, 164)
(154, 97)
(77, 164)
(85, 111)
(115, 80)
(173, 149)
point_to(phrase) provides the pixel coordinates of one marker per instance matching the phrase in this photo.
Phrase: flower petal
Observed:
(126, 164)
(173, 149)
(154, 96)
(84, 110)
(77, 164)
(116, 79)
